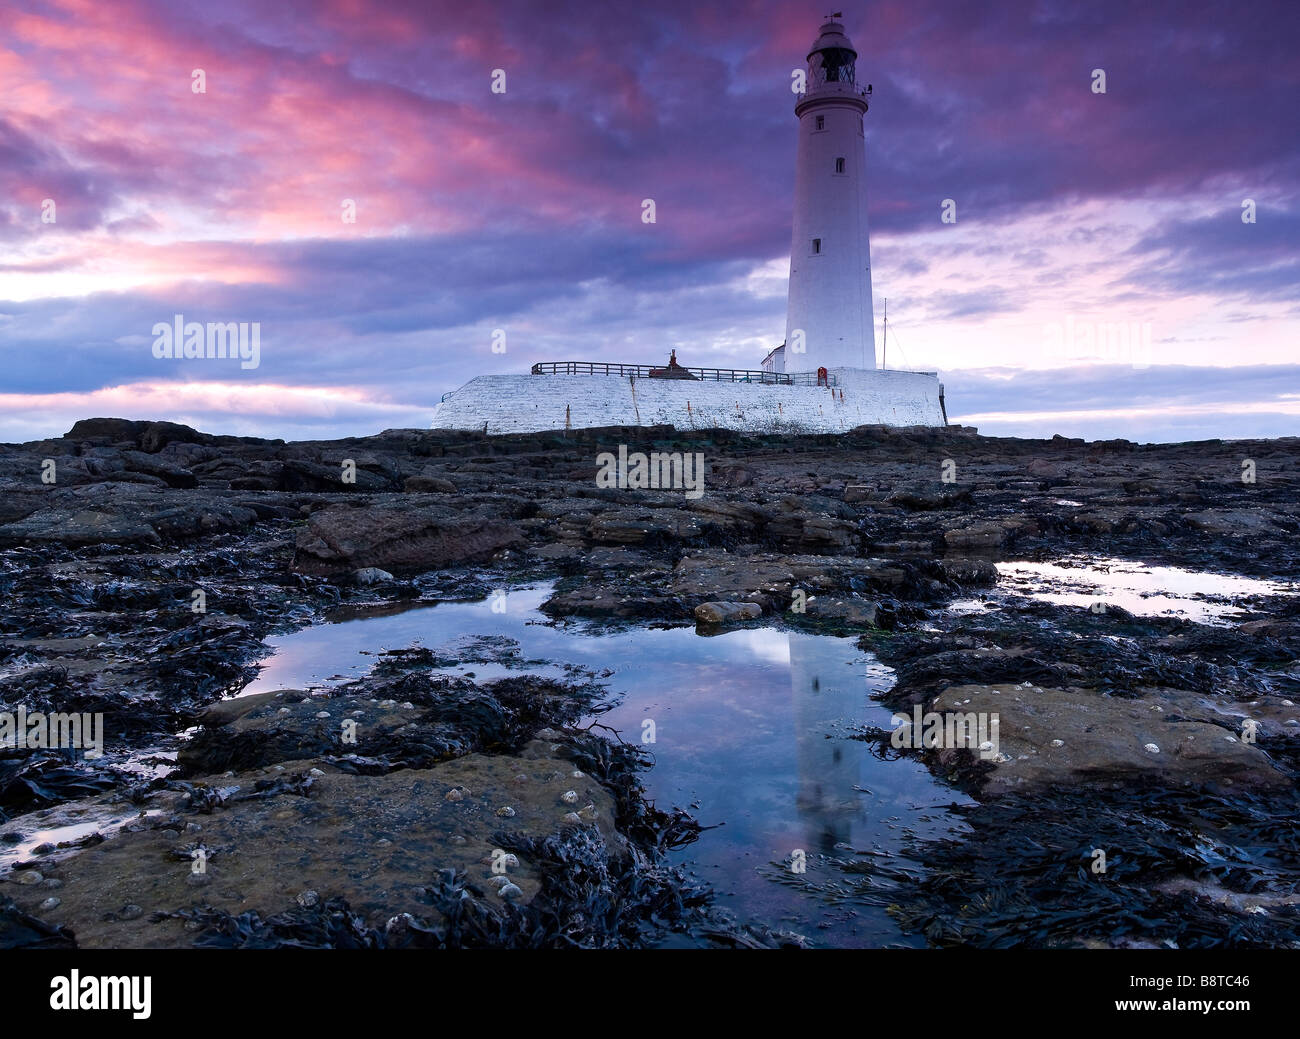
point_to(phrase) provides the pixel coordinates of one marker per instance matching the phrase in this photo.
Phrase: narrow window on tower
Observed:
(817, 246)
(821, 122)
(839, 165)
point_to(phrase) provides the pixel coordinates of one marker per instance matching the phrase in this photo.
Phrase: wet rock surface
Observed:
(727, 612)
(377, 841)
(142, 581)
(1169, 736)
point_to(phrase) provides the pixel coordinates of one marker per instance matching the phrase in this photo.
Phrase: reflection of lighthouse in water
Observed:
(827, 696)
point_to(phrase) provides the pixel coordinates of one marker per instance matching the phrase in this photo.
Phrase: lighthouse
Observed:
(822, 379)
(829, 317)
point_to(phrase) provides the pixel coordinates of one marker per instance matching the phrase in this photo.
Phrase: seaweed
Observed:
(616, 766)
(331, 925)
(454, 717)
(46, 777)
(204, 799)
(1023, 876)
(18, 930)
(1049, 645)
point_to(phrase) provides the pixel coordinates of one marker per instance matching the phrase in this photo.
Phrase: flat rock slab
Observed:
(772, 578)
(1102, 737)
(767, 579)
(416, 537)
(375, 840)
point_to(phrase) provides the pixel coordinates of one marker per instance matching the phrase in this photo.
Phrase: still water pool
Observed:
(1143, 589)
(751, 734)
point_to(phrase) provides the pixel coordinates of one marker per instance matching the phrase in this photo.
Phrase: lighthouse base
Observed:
(536, 403)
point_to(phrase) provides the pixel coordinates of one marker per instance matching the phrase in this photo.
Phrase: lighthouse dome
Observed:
(832, 37)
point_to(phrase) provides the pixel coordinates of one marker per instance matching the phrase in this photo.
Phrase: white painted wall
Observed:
(531, 403)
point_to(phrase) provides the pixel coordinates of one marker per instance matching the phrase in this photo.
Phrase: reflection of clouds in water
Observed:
(764, 643)
(1140, 589)
(522, 600)
(1125, 574)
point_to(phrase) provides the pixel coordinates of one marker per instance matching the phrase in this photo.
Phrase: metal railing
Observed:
(642, 371)
(810, 379)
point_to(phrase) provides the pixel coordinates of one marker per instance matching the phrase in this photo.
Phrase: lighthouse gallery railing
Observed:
(643, 371)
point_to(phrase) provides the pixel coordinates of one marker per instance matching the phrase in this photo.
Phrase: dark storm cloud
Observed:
(1222, 255)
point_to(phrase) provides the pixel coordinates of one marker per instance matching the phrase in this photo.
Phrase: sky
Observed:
(1104, 276)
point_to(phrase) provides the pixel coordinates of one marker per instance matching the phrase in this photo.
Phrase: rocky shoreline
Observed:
(141, 578)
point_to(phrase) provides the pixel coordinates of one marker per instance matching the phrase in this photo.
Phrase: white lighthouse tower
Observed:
(829, 318)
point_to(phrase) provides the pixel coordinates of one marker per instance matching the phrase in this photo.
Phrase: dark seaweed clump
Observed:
(36, 779)
(20, 931)
(453, 717)
(1114, 653)
(616, 766)
(1023, 876)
